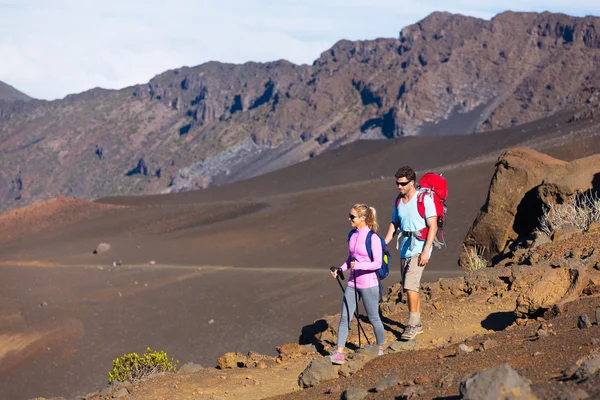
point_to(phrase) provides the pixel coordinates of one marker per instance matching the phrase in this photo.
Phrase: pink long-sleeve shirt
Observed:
(364, 268)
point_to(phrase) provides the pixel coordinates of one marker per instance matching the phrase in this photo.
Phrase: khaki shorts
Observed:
(411, 273)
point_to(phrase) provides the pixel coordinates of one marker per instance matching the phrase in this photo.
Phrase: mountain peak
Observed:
(9, 93)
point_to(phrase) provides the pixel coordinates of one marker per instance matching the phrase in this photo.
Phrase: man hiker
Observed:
(414, 251)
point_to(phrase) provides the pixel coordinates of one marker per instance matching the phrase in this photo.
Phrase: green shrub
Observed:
(131, 367)
(475, 259)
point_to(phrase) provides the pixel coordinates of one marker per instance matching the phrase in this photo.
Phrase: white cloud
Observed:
(50, 48)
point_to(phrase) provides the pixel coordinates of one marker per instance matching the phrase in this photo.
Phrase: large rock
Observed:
(232, 360)
(316, 372)
(525, 181)
(499, 382)
(554, 286)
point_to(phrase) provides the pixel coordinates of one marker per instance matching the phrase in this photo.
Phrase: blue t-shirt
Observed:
(408, 217)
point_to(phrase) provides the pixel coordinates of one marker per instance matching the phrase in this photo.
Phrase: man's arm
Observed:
(432, 225)
(391, 232)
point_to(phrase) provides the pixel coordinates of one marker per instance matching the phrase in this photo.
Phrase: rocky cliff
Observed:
(216, 123)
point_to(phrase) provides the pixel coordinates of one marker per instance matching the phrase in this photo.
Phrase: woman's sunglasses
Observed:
(352, 216)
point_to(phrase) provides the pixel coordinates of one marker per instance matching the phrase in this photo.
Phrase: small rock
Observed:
(489, 344)
(421, 380)
(316, 372)
(152, 262)
(232, 360)
(542, 333)
(495, 383)
(369, 350)
(291, 350)
(212, 321)
(310, 348)
(598, 316)
(569, 372)
(445, 380)
(354, 394)
(261, 365)
(43, 304)
(588, 368)
(190, 368)
(578, 394)
(117, 263)
(102, 248)
(399, 346)
(351, 367)
(537, 353)
(565, 232)
(584, 322)
(437, 305)
(387, 383)
(410, 393)
(464, 349)
(120, 393)
(534, 258)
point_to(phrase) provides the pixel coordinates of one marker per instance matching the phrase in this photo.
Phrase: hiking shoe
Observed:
(337, 358)
(380, 352)
(411, 332)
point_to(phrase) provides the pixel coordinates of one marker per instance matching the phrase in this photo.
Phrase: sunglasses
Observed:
(402, 183)
(352, 216)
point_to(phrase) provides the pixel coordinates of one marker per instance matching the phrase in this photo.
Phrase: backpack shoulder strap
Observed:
(398, 198)
(352, 232)
(369, 241)
(421, 202)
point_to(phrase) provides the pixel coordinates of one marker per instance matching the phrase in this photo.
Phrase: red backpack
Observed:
(434, 185)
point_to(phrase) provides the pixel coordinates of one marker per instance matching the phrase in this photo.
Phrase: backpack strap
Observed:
(369, 241)
(352, 232)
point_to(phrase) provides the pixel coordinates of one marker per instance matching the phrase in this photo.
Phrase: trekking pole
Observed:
(357, 313)
(340, 274)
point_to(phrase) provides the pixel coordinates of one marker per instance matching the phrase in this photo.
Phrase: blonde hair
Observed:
(370, 215)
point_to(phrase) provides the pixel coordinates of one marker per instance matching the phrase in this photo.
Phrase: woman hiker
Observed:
(362, 219)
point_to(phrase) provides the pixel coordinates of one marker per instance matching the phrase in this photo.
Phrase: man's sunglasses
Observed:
(352, 216)
(402, 183)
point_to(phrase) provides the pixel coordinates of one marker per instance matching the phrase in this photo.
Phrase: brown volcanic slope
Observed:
(251, 257)
(217, 123)
(9, 93)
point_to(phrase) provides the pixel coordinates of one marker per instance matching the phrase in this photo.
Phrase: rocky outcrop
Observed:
(524, 184)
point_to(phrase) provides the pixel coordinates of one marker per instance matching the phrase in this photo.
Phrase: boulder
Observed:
(316, 372)
(524, 182)
(499, 382)
(518, 171)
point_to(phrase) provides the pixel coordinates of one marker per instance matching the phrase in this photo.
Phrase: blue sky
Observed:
(51, 48)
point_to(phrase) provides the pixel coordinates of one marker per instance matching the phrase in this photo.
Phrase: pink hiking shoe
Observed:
(337, 358)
